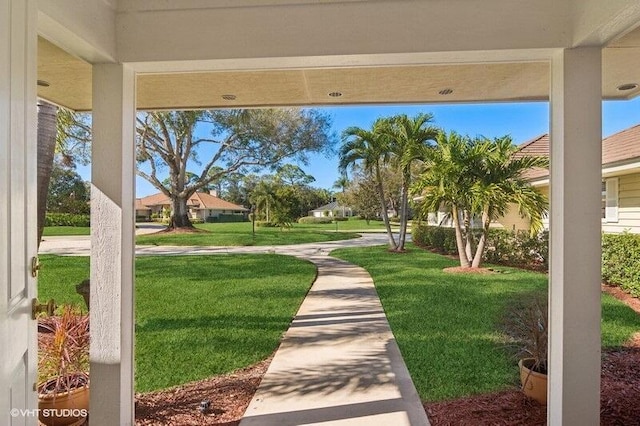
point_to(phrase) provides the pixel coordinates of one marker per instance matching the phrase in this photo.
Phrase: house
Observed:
(115, 56)
(143, 212)
(202, 205)
(333, 209)
(620, 188)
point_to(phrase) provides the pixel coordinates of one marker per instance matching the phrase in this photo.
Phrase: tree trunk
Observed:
(180, 214)
(404, 206)
(462, 254)
(477, 259)
(468, 235)
(385, 214)
(47, 114)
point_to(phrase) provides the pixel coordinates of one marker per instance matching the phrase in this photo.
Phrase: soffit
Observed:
(70, 82)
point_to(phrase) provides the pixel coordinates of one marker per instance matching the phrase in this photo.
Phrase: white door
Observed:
(18, 345)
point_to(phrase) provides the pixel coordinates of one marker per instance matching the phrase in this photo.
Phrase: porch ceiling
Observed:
(69, 81)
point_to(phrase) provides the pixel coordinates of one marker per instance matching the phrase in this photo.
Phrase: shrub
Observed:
(265, 224)
(502, 247)
(313, 219)
(340, 219)
(66, 219)
(435, 237)
(196, 220)
(621, 261)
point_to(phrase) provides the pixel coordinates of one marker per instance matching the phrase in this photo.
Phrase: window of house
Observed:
(610, 200)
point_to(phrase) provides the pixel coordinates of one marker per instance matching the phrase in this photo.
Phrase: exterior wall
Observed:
(512, 221)
(628, 206)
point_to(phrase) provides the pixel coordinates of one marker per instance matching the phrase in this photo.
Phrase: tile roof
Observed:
(334, 205)
(199, 200)
(140, 205)
(621, 146)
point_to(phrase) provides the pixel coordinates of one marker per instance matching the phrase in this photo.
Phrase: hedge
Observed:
(66, 219)
(503, 247)
(226, 218)
(621, 261)
(313, 219)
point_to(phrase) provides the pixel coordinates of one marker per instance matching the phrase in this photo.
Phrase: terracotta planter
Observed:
(64, 409)
(534, 384)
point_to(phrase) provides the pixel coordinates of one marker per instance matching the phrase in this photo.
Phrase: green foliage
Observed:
(621, 261)
(68, 193)
(198, 316)
(67, 219)
(450, 327)
(503, 247)
(313, 219)
(227, 218)
(340, 219)
(265, 224)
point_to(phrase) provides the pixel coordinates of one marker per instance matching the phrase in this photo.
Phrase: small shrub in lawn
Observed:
(265, 224)
(66, 219)
(315, 220)
(621, 261)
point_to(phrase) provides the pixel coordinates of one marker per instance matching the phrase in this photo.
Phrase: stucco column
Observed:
(112, 245)
(574, 294)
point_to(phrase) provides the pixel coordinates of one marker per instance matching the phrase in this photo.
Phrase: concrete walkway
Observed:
(338, 363)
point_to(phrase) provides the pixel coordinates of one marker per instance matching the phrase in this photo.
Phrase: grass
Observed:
(448, 326)
(53, 231)
(198, 316)
(240, 234)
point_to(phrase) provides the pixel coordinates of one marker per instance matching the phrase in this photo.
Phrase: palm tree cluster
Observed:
(475, 180)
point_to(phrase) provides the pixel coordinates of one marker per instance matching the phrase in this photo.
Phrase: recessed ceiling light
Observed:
(628, 86)
(229, 97)
(43, 83)
(445, 92)
(335, 94)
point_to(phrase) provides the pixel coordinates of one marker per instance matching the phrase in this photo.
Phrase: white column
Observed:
(112, 245)
(574, 294)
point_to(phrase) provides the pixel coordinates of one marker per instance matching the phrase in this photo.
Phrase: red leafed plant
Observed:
(63, 351)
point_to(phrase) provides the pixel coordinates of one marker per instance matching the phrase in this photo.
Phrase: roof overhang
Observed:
(369, 71)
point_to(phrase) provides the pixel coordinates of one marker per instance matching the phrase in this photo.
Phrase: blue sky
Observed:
(523, 121)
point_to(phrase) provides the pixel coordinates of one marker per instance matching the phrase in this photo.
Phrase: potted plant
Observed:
(63, 365)
(528, 327)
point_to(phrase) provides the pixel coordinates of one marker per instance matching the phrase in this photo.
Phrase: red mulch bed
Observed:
(468, 270)
(619, 400)
(626, 298)
(228, 395)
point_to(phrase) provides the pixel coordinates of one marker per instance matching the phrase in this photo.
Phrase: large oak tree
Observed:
(238, 140)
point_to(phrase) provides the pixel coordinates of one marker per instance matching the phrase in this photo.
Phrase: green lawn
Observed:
(198, 316)
(51, 231)
(448, 326)
(240, 234)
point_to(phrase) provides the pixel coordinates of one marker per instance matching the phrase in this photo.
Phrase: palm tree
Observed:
(500, 185)
(46, 150)
(263, 197)
(372, 149)
(482, 178)
(409, 138)
(445, 183)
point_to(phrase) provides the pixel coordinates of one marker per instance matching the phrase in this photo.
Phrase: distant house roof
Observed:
(140, 205)
(619, 147)
(199, 200)
(334, 205)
